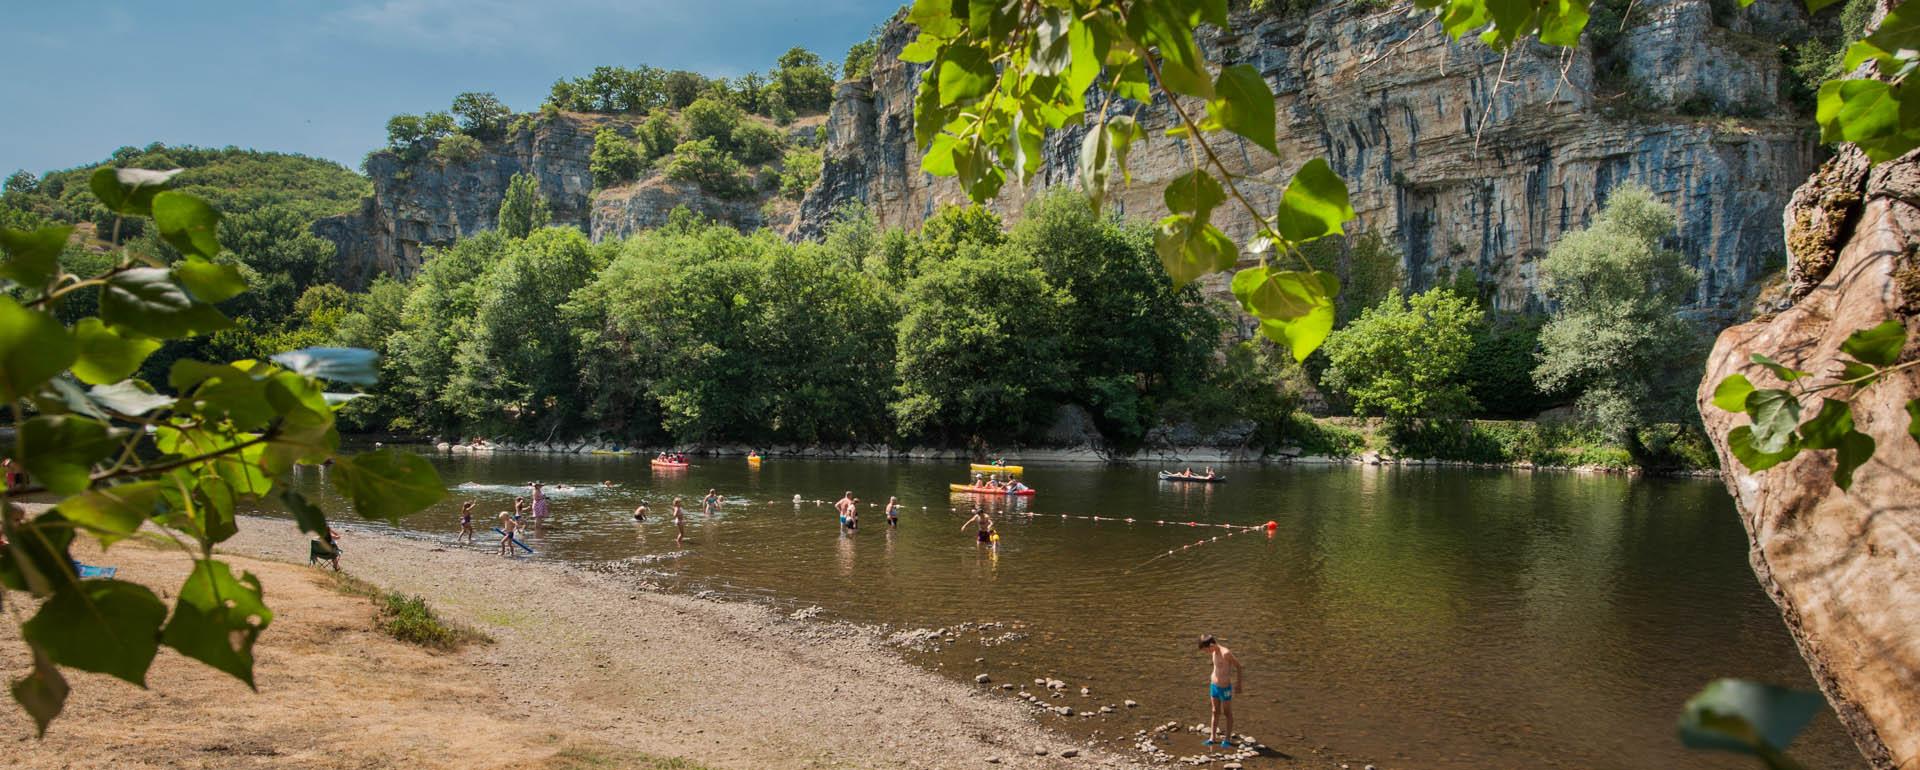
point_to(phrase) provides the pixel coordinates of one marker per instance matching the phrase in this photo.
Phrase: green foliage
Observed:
(615, 160)
(1751, 718)
(410, 619)
(658, 135)
(524, 207)
(1406, 359)
(481, 115)
(683, 87)
(754, 143)
(612, 89)
(1869, 112)
(799, 169)
(516, 367)
(711, 119)
(457, 148)
(412, 137)
(704, 163)
(860, 59)
(437, 317)
(1616, 339)
(1368, 273)
(234, 181)
(121, 456)
(803, 81)
(1499, 367)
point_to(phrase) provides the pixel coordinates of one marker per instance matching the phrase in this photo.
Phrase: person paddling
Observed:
(1221, 685)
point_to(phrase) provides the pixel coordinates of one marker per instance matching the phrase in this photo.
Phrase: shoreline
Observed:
(585, 656)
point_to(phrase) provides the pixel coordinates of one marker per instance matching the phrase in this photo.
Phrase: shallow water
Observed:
(1407, 617)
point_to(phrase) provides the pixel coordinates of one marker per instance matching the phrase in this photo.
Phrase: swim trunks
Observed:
(986, 536)
(1220, 692)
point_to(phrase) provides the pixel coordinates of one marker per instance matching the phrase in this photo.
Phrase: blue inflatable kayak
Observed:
(512, 539)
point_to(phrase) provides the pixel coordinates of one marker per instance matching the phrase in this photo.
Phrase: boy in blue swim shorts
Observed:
(1220, 687)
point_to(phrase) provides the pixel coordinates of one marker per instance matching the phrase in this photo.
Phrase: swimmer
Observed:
(608, 484)
(893, 511)
(640, 513)
(797, 500)
(1221, 685)
(711, 502)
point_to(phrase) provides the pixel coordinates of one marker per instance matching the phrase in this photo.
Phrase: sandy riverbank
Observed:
(584, 672)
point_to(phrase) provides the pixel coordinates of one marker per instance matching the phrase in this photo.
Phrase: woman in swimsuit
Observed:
(984, 533)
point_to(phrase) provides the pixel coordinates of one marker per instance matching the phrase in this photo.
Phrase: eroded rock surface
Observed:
(1844, 566)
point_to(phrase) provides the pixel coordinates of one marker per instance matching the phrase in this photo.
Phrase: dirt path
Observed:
(584, 673)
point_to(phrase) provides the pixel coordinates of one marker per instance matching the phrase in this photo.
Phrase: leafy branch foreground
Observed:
(120, 455)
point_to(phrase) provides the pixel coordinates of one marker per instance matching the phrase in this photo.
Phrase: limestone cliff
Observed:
(1465, 159)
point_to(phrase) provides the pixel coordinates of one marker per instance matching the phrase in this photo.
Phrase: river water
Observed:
(1405, 617)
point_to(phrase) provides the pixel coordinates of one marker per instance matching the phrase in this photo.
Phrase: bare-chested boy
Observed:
(1220, 688)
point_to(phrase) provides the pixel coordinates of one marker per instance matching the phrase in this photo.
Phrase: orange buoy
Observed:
(1272, 525)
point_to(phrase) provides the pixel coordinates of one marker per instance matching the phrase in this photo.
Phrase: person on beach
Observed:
(984, 523)
(466, 522)
(539, 502)
(893, 511)
(679, 522)
(640, 513)
(711, 503)
(1221, 685)
(508, 525)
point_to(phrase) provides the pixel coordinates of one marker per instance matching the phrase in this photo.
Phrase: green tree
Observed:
(860, 59)
(457, 148)
(411, 137)
(1616, 339)
(711, 119)
(799, 169)
(481, 115)
(805, 80)
(1404, 358)
(683, 87)
(1131, 341)
(437, 316)
(523, 209)
(702, 162)
(754, 143)
(658, 135)
(517, 369)
(615, 159)
(979, 352)
(1368, 272)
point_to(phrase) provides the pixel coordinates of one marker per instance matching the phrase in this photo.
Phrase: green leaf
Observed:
(1190, 248)
(1775, 413)
(1315, 203)
(187, 223)
(113, 513)
(1052, 50)
(311, 519)
(1879, 346)
(146, 300)
(104, 626)
(60, 450)
(129, 191)
(37, 557)
(1867, 113)
(387, 484)
(42, 693)
(1855, 450)
(934, 17)
(1913, 419)
(130, 397)
(209, 282)
(1731, 394)
(1741, 443)
(357, 366)
(1780, 370)
(33, 256)
(33, 349)
(1296, 309)
(1195, 192)
(1814, 6)
(106, 355)
(217, 619)
(966, 74)
(1827, 428)
(1094, 149)
(1746, 717)
(1122, 132)
(1243, 104)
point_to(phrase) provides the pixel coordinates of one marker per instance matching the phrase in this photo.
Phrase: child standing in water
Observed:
(1221, 684)
(893, 511)
(466, 522)
(679, 522)
(711, 502)
(984, 534)
(508, 524)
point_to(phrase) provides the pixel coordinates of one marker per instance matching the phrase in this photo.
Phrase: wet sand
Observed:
(584, 671)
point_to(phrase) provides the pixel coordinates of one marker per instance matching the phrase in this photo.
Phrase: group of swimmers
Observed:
(982, 481)
(848, 508)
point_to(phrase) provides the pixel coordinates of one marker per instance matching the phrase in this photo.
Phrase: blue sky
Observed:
(79, 78)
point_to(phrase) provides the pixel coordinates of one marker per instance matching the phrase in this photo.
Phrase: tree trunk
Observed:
(1844, 567)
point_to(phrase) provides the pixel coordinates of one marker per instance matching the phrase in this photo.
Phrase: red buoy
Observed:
(1272, 525)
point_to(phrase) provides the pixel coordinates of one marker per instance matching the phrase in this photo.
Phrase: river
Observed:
(1407, 617)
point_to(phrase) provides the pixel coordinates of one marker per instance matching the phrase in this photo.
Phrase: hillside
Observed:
(237, 181)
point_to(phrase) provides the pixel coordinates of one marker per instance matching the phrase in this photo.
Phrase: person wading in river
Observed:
(711, 502)
(1221, 685)
(893, 511)
(984, 534)
(679, 521)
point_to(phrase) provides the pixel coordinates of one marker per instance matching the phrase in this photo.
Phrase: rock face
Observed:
(1844, 566)
(1464, 160)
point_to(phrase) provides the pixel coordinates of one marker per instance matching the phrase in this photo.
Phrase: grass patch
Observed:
(610, 758)
(351, 586)
(409, 619)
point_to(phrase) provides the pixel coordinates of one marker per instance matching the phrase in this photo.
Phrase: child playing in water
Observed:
(984, 534)
(466, 522)
(1221, 684)
(711, 502)
(640, 513)
(893, 511)
(508, 524)
(679, 522)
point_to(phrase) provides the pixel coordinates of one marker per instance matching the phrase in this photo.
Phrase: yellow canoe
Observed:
(753, 459)
(985, 468)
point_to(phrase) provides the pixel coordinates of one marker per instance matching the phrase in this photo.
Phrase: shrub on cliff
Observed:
(711, 119)
(411, 136)
(755, 144)
(658, 135)
(481, 115)
(702, 162)
(805, 80)
(799, 169)
(457, 148)
(524, 208)
(615, 159)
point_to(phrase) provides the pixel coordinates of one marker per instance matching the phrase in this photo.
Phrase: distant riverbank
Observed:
(1518, 444)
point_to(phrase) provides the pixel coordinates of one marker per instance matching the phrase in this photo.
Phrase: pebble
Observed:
(1070, 753)
(979, 660)
(993, 760)
(1084, 692)
(1132, 704)
(1231, 766)
(1041, 752)
(1066, 711)
(1106, 709)
(1007, 686)
(982, 679)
